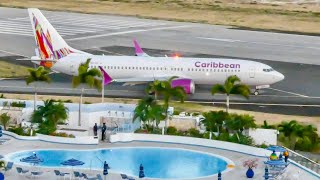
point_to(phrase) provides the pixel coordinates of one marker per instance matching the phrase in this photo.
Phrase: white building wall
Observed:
(264, 136)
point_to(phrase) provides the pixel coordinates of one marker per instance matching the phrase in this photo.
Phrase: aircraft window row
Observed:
(268, 70)
(172, 69)
(133, 68)
(214, 70)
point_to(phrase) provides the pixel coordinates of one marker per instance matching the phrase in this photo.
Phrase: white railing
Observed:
(304, 161)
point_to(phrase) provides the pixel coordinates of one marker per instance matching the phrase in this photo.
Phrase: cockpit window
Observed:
(268, 70)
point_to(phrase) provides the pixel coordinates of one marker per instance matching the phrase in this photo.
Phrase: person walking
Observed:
(286, 156)
(95, 129)
(104, 128)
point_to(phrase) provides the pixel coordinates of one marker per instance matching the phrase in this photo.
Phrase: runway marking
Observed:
(252, 42)
(258, 104)
(217, 39)
(16, 54)
(301, 95)
(109, 52)
(128, 32)
(15, 33)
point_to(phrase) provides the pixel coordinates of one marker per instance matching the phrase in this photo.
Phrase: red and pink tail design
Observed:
(50, 44)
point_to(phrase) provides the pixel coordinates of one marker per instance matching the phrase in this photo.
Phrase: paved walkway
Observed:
(238, 172)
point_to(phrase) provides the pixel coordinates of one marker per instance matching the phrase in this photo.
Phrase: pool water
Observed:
(164, 163)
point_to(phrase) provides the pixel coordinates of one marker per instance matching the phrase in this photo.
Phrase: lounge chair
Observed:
(89, 178)
(36, 173)
(77, 174)
(21, 171)
(60, 174)
(124, 176)
(8, 167)
(99, 177)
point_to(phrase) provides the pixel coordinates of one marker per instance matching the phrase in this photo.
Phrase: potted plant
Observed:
(251, 163)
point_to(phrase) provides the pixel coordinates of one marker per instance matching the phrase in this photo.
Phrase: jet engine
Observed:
(187, 84)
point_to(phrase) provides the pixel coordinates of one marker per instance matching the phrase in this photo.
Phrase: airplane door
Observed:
(251, 72)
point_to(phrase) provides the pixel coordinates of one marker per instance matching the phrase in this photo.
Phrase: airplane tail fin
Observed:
(138, 50)
(50, 45)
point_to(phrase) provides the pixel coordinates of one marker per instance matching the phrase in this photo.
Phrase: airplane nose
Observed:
(278, 76)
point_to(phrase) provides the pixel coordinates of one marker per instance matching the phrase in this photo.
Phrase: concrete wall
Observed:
(183, 123)
(127, 137)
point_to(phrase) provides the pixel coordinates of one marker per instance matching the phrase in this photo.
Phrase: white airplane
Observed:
(54, 53)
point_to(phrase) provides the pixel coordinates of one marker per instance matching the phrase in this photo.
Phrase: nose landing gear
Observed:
(257, 89)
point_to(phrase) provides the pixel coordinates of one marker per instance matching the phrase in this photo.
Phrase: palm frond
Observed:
(241, 89)
(218, 88)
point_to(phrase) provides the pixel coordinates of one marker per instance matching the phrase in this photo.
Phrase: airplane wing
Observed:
(140, 80)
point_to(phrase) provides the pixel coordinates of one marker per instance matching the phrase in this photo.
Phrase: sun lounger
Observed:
(60, 174)
(89, 178)
(21, 171)
(77, 174)
(124, 176)
(8, 167)
(36, 173)
(99, 177)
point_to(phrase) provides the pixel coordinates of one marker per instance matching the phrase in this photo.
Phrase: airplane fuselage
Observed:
(200, 70)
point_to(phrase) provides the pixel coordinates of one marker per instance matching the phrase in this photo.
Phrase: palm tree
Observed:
(291, 131)
(148, 110)
(232, 85)
(35, 76)
(238, 123)
(49, 115)
(4, 120)
(214, 120)
(87, 77)
(168, 92)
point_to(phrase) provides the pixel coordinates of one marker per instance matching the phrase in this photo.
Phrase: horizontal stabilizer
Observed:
(26, 59)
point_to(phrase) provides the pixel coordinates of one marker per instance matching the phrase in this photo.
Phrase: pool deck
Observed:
(238, 172)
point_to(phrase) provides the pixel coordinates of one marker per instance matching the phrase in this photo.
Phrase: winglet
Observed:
(138, 50)
(106, 78)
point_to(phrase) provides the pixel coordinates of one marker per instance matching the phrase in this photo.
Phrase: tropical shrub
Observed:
(194, 133)
(172, 130)
(4, 120)
(21, 131)
(299, 137)
(18, 104)
(62, 134)
(145, 131)
(267, 126)
(49, 115)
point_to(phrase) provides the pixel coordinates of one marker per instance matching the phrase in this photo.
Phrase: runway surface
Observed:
(105, 34)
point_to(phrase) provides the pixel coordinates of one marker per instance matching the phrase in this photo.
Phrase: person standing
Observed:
(286, 156)
(104, 128)
(95, 129)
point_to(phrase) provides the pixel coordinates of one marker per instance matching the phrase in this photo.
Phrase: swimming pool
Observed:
(164, 163)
